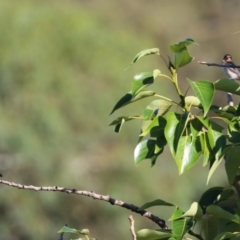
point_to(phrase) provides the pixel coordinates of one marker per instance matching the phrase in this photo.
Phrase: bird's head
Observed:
(227, 58)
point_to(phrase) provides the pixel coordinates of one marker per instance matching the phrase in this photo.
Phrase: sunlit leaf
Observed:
(192, 101)
(213, 168)
(144, 150)
(227, 235)
(145, 52)
(204, 91)
(194, 211)
(148, 234)
(227, 85)
(158, 202)
(141, 80)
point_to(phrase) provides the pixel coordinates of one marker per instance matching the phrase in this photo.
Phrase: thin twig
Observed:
(132, 230)
(160, 222)
(217, 65)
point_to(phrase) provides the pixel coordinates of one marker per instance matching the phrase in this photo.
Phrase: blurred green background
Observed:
(61, 72)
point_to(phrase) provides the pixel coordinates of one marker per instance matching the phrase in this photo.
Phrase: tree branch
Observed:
(160, 222)
(217, 65)
(132, 230)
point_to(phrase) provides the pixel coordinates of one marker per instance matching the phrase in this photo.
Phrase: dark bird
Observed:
(231, 72)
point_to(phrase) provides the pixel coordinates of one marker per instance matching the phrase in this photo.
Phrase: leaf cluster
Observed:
(192, 134)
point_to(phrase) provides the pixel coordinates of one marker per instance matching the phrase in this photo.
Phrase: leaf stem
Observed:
(165, 98)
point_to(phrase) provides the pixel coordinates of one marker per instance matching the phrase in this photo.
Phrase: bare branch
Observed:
(132, 230)
(160, 222)
(217, 65)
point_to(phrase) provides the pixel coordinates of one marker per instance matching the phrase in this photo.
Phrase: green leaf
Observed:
(130, 98)
(121, 120)
(192, 101)
(206, 149)
(141, 80)
(68, 230)
(176, 214)
(174, 129)
(226, 112)
(158, 202)
(213, 168)
(232, 163)
(148, 234)
(188, 153)
(204, 91)
(217, 211)
(227, 85)
(144, 150)
(210, 196)
(145, 52)
(194, 211)
(156, 107)
(182, 58)
(156, 127)
(226, 235)
(177, 47)
(84, 232)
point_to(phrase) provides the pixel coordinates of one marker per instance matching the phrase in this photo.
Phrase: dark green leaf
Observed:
(158, 202)
(156, 127)
(210, 196)
(141, 80)
(232, 162)
(227, 85)
(129, 98)
(204, 91)
(226, 235)
(123, 101)
(148, 234)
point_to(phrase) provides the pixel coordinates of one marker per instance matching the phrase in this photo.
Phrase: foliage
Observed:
(190, 128)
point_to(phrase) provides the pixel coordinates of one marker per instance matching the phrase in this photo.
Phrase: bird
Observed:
(231, 72)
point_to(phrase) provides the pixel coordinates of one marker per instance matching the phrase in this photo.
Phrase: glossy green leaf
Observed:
(227, 112)
(181, 45)
(148, 234)
(232, 162)
(188, 153)
(217, 211)
(182, 58)
(204, 91)
(130, 98)
(210, 196)
(145, 52)
(227, 85)
(158, 202)
(141, 80)
(144, 150)
(174, 129)
(206, 149)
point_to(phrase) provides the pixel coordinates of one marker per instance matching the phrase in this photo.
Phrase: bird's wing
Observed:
(233, 72)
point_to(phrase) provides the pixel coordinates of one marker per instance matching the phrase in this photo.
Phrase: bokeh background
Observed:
(61, 72)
